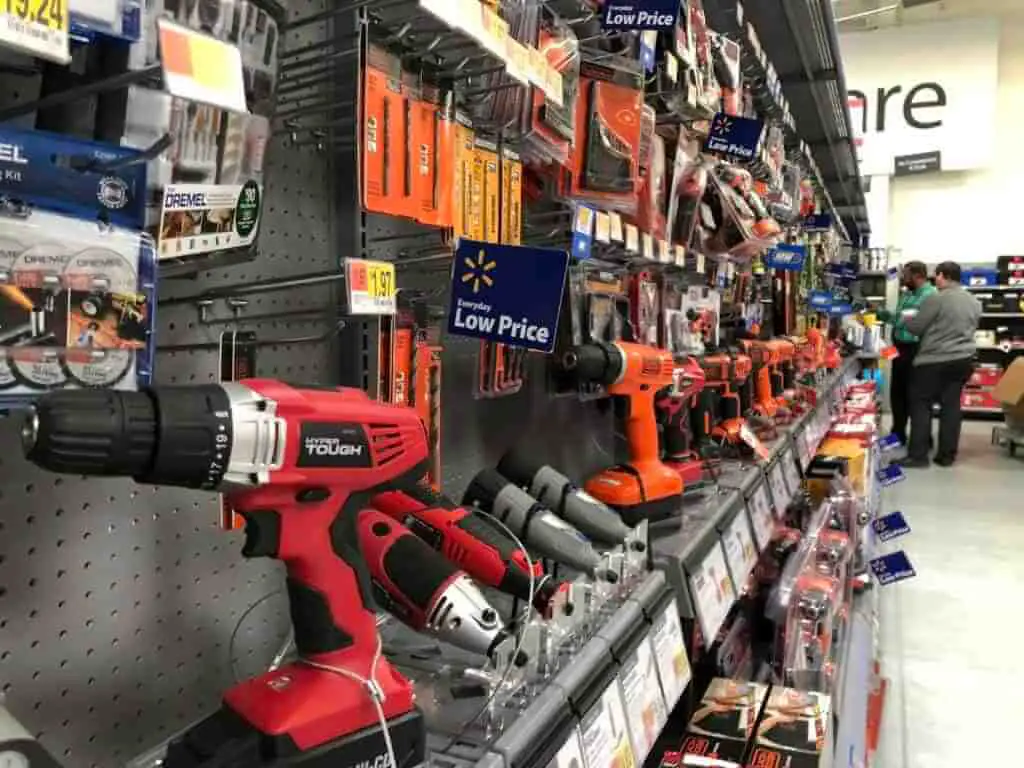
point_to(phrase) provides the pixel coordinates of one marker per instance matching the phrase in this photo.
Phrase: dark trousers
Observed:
(899, 388)
(939, 383)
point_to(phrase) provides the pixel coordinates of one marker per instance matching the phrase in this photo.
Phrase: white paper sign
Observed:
(780, 491)
(740, 551)
(670, 653)
(606, 739)
(713, 593)
(760, 508)
(645, 703)
(793, 479)
(571, 753)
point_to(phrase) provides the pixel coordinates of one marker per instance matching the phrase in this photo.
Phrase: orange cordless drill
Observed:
(300, 466)
(643, 489)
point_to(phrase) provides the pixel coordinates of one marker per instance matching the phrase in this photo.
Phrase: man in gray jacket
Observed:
(946, 322)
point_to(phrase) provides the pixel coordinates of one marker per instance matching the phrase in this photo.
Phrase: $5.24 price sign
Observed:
(37, 27)
(370, 286)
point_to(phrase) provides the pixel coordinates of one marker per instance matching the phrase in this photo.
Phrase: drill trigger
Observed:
(262, 533)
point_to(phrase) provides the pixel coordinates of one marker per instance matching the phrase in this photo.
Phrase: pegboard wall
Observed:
(118, 602)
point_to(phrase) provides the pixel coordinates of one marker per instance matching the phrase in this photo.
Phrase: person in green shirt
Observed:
(916, 288)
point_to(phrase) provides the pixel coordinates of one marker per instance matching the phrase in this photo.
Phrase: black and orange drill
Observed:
(782, 377)
(644, 488)
(725, 373)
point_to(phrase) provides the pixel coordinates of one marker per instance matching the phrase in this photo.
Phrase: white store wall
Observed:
(965, 215)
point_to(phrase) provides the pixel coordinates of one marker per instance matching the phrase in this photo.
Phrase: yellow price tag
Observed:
(37, 27)
(371, 287)
(632, 239)
(603, 228)
(495, 33)
(517, 61)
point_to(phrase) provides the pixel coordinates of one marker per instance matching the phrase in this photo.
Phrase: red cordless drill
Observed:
(470, 540)
(299, 466)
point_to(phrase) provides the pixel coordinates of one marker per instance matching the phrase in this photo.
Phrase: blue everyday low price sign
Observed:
(641, 14)
(891, 475)
(737, 137)
(891, 526)
(888, 569)
(818, 222)
(789, 258)
(508, 294)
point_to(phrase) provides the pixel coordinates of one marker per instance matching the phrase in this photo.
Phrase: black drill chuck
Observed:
(177, 436)
(598, 363)
(92, 432)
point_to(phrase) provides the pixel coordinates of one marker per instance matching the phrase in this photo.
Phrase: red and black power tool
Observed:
(300, 466)
(675, 405)
(472, 541)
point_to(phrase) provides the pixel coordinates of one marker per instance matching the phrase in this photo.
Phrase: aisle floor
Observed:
(951, 636)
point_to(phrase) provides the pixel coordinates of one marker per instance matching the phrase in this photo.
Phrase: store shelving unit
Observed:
(799, 39)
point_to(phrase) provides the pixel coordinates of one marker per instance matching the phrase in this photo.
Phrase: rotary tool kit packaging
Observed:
(77, 274)
(205, 190)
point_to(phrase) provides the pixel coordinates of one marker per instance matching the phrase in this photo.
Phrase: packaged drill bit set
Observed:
(205, 190)
(423, 159)
(77, 274)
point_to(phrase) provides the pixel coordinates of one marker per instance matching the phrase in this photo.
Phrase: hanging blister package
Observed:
(553, 126)
(77, 275)
(606, 152)
(384, 134)
(77, 301)
(689, 180)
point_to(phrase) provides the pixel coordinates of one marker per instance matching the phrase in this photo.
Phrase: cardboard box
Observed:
(793, 731)
(724, 720)
(1010, 392)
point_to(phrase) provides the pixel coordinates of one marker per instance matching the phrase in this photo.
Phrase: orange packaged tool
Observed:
(427, 401)
(511, 198)
(490, 190)
(423, 148)
(462, 175)
(384, 122)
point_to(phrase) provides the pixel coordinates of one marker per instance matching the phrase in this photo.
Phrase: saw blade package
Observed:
(77, 303)
(77, 275)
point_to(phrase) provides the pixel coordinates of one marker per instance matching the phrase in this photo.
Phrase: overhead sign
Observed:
(737, 137)
(508, 294)
(923, 88)
(787, 257)
(641, 14)
(922, 162)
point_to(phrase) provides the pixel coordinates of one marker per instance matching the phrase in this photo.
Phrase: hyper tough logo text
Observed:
(331, 446)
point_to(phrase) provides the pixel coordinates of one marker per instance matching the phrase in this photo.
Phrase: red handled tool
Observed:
(299, 466)
(471, 540)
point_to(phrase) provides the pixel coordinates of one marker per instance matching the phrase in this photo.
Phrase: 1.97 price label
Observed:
(370, 286)
(36, 27)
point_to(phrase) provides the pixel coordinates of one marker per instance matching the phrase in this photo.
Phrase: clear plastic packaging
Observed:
(77, 305)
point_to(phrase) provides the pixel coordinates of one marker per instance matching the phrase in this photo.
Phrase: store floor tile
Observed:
(950, 637)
